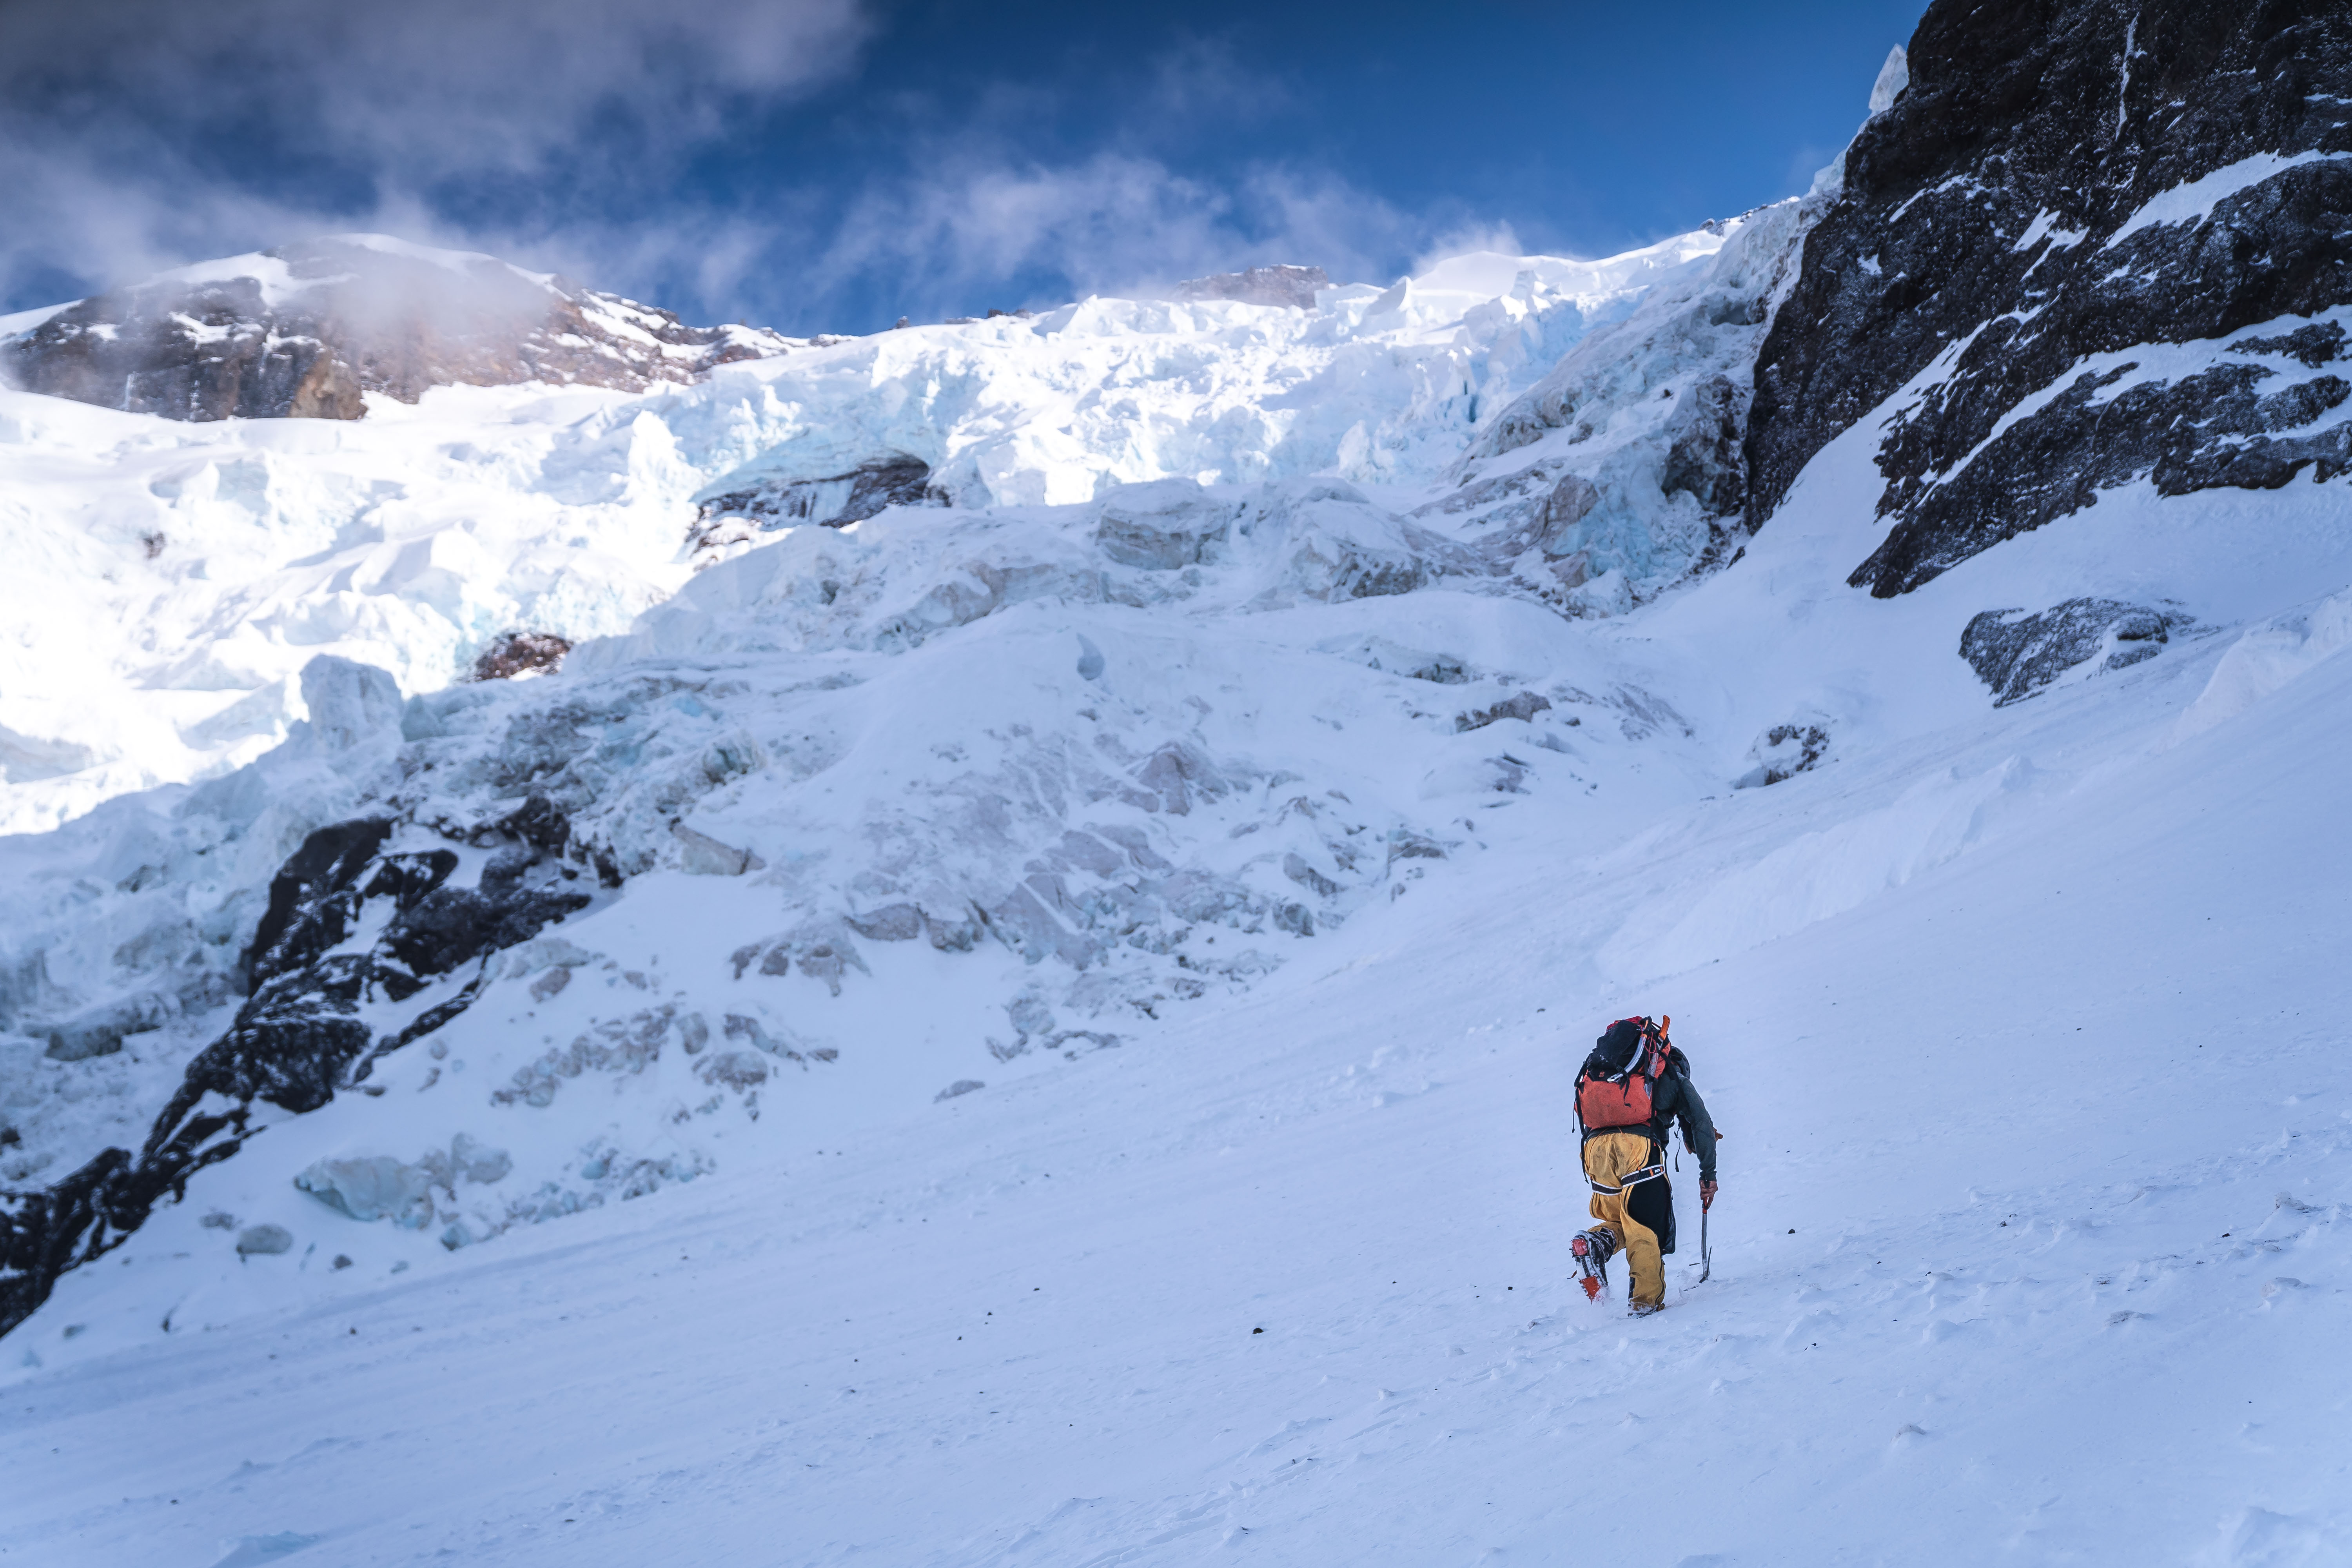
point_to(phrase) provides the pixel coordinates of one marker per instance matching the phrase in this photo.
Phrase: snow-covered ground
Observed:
(2025, 1024)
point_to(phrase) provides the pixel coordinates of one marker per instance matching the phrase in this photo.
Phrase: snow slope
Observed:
(2058, 1279)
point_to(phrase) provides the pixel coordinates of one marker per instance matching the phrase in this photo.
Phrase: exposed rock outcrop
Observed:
(2089, 237)
(763, 504)
(512, 655)
(1292, 286)
(2018, 654)
(303, 1033)
(303, 331)
(1783, 751)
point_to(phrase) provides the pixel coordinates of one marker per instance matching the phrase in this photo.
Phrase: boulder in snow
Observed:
(370, 1188)
(741, 1071)
(1783, 751)
(892, 923)
(2018, 654)
(1520, 705)
(264, 1241)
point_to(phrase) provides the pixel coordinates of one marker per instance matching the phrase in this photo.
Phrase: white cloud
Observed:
(72, 213)
(434, 87)
(1111, 223)
(113, 114)
(584, 110)
(1461, 241)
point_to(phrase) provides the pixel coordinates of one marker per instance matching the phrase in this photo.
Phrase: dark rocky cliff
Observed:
(2064, 184)
(307, 329)
(299, 1038)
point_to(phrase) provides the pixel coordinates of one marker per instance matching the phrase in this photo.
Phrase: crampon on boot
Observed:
(1593, 1250)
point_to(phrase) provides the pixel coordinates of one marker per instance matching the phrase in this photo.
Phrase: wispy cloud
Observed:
(423, 88)
(1201, 82)
(120, 120)
(1462, 240)
(1107, 224)
(137, 134)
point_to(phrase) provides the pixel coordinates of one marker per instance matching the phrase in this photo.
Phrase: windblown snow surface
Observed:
(1142, 921)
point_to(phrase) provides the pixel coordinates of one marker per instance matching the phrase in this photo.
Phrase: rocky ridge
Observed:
(305, 330)
(2092, 244)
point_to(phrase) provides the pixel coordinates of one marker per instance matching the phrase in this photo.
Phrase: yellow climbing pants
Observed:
(1609, 1158)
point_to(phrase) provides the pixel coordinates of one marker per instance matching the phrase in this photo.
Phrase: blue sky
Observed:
(830, 165)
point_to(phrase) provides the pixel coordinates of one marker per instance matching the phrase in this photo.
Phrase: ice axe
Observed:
(1706, 1203)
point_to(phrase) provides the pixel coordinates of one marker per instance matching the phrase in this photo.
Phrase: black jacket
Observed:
(1675, 1100)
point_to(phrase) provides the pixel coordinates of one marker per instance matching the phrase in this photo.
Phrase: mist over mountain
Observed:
(974, 937)
(304, 332)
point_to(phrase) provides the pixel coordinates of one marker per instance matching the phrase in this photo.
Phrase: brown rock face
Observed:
(304, 330)
(1292, 286)
(511, 654)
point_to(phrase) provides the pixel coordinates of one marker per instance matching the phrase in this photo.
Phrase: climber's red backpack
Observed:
(1630, 1057)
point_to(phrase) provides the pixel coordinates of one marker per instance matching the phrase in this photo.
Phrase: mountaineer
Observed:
(1633, 1085)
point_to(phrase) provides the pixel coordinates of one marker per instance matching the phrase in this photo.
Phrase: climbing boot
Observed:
(1593, 1249)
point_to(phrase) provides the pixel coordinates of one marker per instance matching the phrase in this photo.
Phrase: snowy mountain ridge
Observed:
(412, 539)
